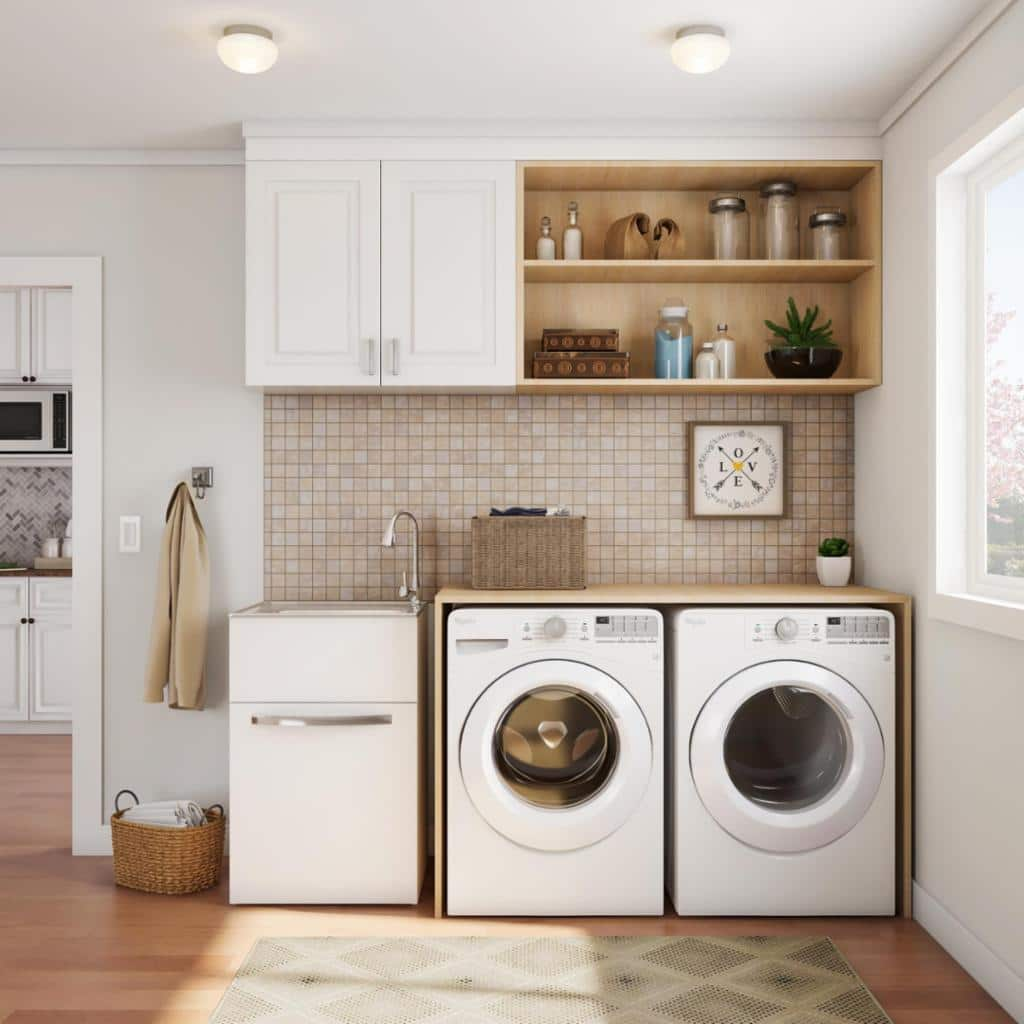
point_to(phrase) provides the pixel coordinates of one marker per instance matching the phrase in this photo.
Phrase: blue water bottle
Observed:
(673, 342)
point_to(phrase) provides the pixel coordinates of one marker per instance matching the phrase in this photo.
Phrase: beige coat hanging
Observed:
(177, 646)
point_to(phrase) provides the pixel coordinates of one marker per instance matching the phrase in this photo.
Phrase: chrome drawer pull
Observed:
(303, 720)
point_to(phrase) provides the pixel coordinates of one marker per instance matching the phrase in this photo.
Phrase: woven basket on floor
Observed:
(529, 552)
(171, 861)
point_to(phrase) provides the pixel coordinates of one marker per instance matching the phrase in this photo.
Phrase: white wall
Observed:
(171, 239)
(970, 685)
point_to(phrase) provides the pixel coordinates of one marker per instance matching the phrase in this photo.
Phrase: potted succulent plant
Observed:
(801, 349)
(834, 563)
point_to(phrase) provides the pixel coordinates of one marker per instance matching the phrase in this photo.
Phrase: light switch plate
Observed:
(130, 535)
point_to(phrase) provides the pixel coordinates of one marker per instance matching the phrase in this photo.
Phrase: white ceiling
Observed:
(144, 73)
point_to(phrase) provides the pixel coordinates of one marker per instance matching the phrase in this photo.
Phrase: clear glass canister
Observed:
(828, 233)
(780, 221)
(673, 342)
(730, 226)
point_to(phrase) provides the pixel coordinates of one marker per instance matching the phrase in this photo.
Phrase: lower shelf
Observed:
(737, 386)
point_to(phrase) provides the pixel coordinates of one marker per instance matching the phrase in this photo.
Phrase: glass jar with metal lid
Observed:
(780, 221)
(828, 233)
(730, 226)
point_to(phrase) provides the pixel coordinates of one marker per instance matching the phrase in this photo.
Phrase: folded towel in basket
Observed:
(166, 814)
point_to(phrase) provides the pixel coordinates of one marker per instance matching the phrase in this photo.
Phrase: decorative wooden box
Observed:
(529, 552)
(581, 364)
(565, 340)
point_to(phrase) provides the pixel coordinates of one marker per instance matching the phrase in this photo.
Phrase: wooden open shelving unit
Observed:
(627, 294)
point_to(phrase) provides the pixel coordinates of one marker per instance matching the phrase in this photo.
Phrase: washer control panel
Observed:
(568, 626)
(777, 627)
(626, 629)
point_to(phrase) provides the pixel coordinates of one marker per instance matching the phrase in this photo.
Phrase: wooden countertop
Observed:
(658, 594)
(19, 574)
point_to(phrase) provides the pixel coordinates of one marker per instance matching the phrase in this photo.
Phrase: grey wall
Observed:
(970, 688)
(171, 239)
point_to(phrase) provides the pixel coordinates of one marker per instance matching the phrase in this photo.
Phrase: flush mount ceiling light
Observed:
(700, 49)
(247, 49)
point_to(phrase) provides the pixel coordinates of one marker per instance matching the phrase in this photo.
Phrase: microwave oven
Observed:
(35, 421)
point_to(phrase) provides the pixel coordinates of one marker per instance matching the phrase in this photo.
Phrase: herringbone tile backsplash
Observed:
(34, 500)
(337, 466)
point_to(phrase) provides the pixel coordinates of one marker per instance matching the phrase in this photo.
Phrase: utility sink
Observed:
(332, 608)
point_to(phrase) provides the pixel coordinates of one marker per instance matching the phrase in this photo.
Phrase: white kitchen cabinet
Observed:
(14, 671)
(327, 753)
(51, 335)
(15, 335)
(313, 273)
(36, 663)
(51, 666)
(369, 275)
(448, 272)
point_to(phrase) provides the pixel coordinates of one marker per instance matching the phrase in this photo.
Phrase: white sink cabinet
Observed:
(328, 753)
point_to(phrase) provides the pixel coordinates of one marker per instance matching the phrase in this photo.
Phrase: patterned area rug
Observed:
(751, 980)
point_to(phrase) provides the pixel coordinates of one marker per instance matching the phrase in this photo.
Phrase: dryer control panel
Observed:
(777, 627)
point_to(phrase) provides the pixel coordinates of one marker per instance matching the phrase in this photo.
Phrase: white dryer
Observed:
(555, 766)
(782, 761)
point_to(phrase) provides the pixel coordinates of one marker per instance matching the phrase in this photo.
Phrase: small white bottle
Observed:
(572, 238)
(725, 350)
(545, 244)
(706, 366)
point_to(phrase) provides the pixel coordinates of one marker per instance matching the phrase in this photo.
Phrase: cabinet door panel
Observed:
(51, 335)
(448, 272)
(52, 668)
(13, 650)
(14, 335)
(313, 273)
(329, 812)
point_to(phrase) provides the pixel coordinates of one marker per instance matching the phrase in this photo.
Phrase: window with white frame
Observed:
(995, 376)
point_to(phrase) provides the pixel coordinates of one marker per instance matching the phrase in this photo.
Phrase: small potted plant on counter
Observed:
(800, 349)
(834, 563)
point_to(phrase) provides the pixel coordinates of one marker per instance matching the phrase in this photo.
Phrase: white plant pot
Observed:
(834, 572)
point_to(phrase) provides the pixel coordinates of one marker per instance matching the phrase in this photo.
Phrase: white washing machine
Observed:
(555, 761)
(782, 761)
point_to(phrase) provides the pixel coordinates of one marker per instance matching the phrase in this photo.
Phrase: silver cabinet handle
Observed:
(371, 357)
(394, 358)
(304, 720)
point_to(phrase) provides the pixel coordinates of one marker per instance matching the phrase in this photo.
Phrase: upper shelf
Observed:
(694, 271)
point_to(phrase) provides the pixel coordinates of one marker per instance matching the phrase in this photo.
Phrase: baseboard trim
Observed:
(988, 969)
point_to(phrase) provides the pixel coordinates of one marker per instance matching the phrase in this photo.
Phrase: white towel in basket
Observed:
(166, 814)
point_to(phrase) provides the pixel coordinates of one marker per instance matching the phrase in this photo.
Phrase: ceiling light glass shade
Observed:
(247, 49)
(700, 49)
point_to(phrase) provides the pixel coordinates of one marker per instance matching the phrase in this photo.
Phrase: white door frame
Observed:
(84, 276)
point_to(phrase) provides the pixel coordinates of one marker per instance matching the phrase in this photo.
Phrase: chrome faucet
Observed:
(409, 590)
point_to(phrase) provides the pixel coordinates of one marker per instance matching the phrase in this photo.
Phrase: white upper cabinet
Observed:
(363, 275)
(15, 335)
(313, 273)
(35, 335)
(51, 335)
(448, 271)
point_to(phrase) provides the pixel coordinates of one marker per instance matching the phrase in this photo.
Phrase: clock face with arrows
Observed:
(737, 470)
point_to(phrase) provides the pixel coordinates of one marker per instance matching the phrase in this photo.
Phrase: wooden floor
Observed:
(74, 948)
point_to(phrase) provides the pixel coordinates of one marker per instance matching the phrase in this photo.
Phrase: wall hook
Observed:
(202, 480)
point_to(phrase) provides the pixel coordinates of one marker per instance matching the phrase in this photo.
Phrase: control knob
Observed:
(787, 629)
(554, 628)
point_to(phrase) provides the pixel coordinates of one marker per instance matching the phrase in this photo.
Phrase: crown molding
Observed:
(961, 43)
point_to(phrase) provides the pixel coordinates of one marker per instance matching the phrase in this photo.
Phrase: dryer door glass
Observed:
(785, 748)
(555, 747)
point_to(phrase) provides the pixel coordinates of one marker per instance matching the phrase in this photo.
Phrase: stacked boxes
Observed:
(574, 353)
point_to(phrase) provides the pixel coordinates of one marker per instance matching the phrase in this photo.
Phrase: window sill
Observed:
(974, 612)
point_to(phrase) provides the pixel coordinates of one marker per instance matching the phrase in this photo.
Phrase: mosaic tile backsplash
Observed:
(32, 500)
(337, 466)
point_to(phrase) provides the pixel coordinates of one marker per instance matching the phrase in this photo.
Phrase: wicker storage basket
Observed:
(171, 861)
(529, 552)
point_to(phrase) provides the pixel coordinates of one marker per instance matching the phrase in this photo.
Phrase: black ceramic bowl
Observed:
(790, 361)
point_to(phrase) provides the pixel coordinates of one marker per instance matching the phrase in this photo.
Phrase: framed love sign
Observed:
(737, 470)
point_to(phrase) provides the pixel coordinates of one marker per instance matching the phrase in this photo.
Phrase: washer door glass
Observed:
(786, 747)
(787, 756)
(555, 746)
(556, 755)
